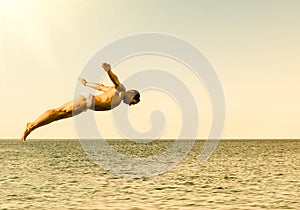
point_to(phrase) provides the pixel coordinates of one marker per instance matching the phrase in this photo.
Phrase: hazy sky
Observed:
(254, 47)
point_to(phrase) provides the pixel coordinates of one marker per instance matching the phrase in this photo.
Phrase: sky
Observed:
(253, 46)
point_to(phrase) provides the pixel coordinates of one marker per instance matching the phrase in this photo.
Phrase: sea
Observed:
(240, 174)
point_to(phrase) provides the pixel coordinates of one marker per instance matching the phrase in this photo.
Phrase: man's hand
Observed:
(82, 81)
(106, 67)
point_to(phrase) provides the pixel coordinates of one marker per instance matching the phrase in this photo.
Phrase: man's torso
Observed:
(108, 99)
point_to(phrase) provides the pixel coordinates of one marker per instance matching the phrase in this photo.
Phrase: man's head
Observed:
(131, 97)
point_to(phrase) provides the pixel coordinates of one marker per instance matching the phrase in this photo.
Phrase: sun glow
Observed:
(18, 19)
(20, 29)
(28, 26)
(15, 9)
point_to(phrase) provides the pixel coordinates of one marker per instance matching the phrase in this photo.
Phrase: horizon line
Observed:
(156, 139)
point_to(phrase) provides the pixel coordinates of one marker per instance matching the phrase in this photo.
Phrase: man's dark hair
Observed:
(130, 95)
(136, 94)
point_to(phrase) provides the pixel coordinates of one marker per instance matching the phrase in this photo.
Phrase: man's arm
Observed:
(112, 76)
(96, 86)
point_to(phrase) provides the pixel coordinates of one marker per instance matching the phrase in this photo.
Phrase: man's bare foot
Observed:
(26, 132)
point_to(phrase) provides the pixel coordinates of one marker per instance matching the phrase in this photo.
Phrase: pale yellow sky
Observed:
(253, 45)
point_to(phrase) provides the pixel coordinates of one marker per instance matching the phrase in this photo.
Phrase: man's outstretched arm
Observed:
(96, 86)
(112, 76)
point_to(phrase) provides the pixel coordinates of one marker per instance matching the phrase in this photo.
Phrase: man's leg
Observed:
(67, 110)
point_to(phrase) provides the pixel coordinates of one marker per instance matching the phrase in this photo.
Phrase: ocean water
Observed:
(241, 174)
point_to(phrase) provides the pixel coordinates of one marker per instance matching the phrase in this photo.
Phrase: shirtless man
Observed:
(111, 97)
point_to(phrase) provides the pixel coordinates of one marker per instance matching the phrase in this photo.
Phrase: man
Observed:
(111, 97)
